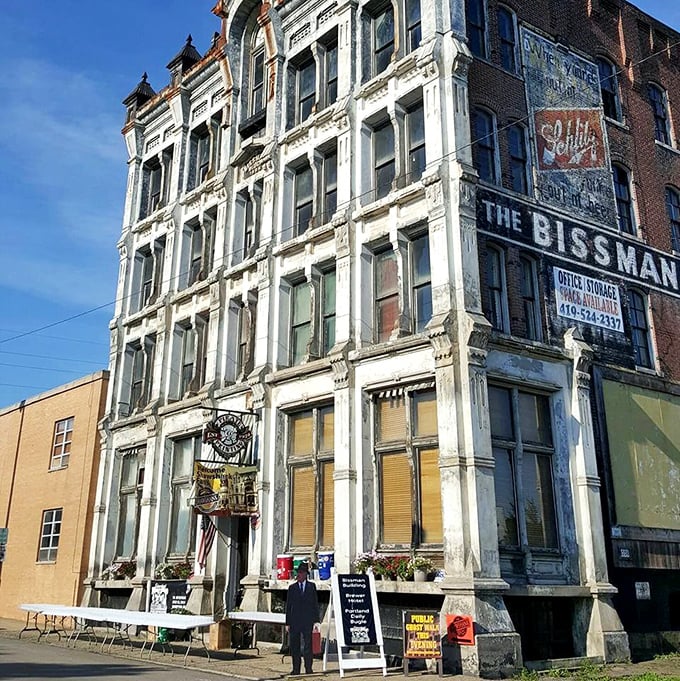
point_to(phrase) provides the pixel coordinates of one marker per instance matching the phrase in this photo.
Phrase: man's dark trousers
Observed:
(302, 611)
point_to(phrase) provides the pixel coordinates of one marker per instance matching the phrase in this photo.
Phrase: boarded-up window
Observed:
(391, 419)
(301, 434)
(396, 504)
(303, 506)
(312, 494)
(328, 505)
(408, 460)
(431, 529)
(425, 408)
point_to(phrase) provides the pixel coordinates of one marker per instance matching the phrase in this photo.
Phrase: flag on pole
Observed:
(208, 532)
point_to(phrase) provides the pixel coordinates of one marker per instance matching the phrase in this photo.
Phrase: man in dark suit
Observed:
(302, 613)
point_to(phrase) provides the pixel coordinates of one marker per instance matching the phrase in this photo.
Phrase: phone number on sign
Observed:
(590, 316)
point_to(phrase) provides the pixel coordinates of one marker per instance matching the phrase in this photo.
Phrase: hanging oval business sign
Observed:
(227, 434)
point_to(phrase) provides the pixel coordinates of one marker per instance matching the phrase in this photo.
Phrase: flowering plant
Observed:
(174, 570)
(366, 561)
(122, 570)
(422, 563)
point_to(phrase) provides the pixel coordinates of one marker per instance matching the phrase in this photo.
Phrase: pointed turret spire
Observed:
(139, 96)
(183, 60)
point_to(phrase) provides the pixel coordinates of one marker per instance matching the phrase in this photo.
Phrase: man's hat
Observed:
(303, 567)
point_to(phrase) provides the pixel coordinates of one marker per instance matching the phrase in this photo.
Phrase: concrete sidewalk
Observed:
(270, 664)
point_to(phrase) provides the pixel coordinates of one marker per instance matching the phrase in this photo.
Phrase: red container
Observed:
(284, 566)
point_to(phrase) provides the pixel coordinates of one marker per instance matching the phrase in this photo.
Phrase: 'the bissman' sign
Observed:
(604, 252)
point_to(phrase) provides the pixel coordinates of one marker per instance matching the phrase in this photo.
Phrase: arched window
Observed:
(518, 158)
(507, 39)
(609, 87)
(475, 14)
(673, 210)
(497, 288)
(530, 298)
(639, 324)
(485, 150)
(659, 104)
(624, 201)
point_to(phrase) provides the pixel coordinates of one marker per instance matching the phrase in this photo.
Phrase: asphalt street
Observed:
(28, 660)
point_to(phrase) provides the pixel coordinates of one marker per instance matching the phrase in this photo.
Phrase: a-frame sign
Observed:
(353, 608)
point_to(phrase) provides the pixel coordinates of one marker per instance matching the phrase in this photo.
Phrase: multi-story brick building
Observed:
(430, 246)
(49, 458)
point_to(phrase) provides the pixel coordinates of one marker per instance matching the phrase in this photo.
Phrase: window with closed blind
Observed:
(406, 444)
(310, 463)
(523, 450)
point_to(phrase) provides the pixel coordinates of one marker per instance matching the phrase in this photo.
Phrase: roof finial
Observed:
(189, 39)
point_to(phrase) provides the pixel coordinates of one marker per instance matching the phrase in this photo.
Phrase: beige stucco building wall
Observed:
(29, 486)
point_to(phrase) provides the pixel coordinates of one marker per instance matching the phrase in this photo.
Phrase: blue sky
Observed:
(64, 69)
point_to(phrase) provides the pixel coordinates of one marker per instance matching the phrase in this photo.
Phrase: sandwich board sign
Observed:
(353, 608)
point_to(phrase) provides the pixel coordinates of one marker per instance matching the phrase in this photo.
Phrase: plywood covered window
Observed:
(310, 462)
(406, 442)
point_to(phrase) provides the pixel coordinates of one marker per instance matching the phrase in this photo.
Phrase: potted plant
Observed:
(402, 568)
(421, 567)
(366, 562)
(182, 570)
(126, 569)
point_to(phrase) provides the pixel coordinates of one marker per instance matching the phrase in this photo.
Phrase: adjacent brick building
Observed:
(429, 249)
(49, 458)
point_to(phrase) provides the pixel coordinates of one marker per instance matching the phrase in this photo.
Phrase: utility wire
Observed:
(345, 205)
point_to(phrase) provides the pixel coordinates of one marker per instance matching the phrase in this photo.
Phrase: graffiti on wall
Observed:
(572, 164)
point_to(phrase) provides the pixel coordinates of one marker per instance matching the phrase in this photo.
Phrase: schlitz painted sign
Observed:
(572, 159)
(605, 253)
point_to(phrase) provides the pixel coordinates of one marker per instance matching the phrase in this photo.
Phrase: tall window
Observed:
(147, 275)
(609, 88)
(256, 101)
(190, 343)
(49, 535)
(329, 90)
(519, 162)
(304, 199)
(673, 211)
(407, 452)
(383, 159)
(639, 324)
(624, 202)
(507, 38)
(182, 517)
(484, 145)
(327, 312)
(139, 374)
(301, 322)
(659, 104)
(61, 443)
(383, 38)
(330, 185)
(129, 500)
(421, 282)
(197, 251)
(152, 187)
(530, 299)
(413, 27)
(310, 466)
(497, 288)
(415, 134)
(475, 14)
(523, 451)
(305, 89)
(386, 295)
(246, 336)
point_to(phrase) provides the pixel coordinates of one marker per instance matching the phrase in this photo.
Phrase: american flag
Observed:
(208, 532)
